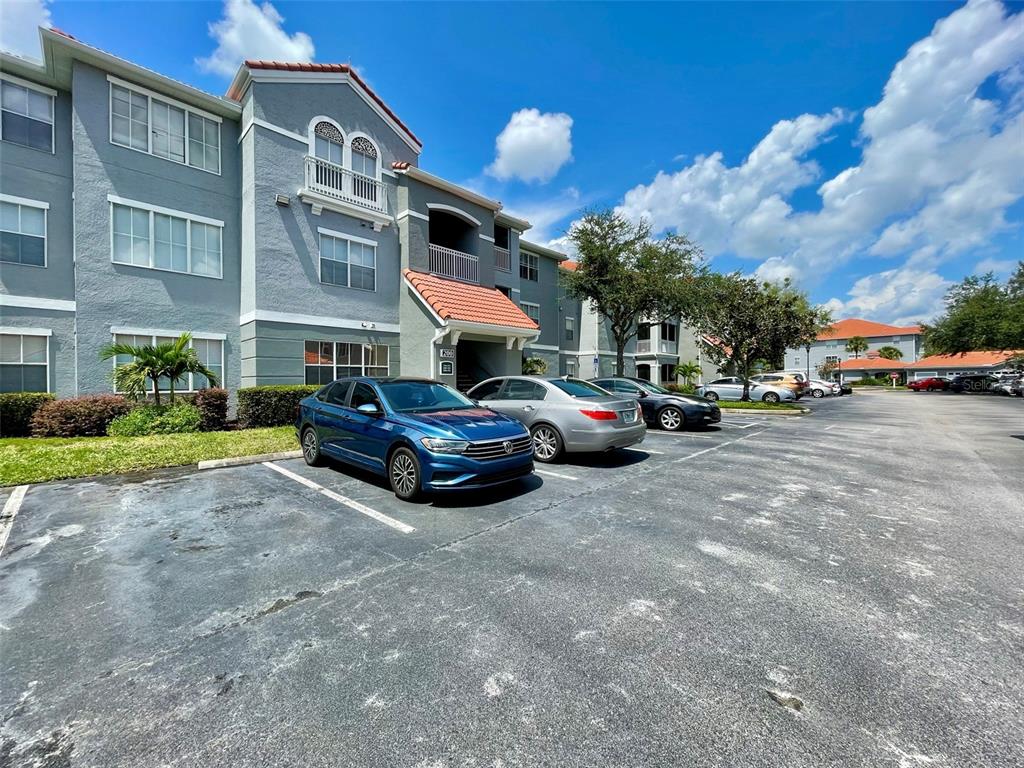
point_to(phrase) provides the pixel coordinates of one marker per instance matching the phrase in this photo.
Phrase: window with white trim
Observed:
(528, 266)
(834, 359)
(147, 123)
(22, 232)
(570, 328)
(24, 363)
(364, 157)
(210, 353)
(570, 367)
(669, 332)
(326, 361)
(155, 239)
(531, 310)
(328, 142)
(349, 263)
(27, 116)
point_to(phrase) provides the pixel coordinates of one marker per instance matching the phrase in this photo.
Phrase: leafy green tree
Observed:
(890, 353)
(827, 368)
(981, 314)
(170, 360)
(534, 366)
(746, 321)
(630, 277)
(689, 371)
(856, 344)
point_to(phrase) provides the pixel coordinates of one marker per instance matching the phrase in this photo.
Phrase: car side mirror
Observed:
(368, 409)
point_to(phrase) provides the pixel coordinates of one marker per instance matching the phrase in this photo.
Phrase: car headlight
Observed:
(439, 445)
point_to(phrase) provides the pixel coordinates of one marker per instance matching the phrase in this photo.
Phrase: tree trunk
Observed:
(156, 390)
(620, 357)
(172, 391)
(746, 380)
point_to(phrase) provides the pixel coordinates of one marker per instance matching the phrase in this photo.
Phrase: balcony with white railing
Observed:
(643, 346)
(447, 262)
(502, 259)
(332, 181)
(668, 347)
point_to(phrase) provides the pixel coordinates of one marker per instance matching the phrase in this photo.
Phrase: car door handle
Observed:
(527, 407)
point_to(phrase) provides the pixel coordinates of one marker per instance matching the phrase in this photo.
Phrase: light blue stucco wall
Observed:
(109, 294)
(910, 345)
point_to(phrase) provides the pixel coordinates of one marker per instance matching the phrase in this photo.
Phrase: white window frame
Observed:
(570, 329)
(153, 333)
(23, 332)
(334, 357)
(113, 200)
(45, 208)
(833, 359)
(570, 368)
(53, 110)
(524, 304)
(525, 256)
(321, 231)
(347, 153)
(150, 95)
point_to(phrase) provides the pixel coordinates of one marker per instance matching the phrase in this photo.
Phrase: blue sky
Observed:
(764, 131)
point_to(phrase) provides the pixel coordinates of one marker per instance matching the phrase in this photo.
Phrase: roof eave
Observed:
(543, 250)
(448, 186)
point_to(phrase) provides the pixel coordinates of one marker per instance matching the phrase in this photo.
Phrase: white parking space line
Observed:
(739, 424)
(554, 474)
(716, 447)
(10, 512)
(672, 435)
(648, 450)
(398, 525)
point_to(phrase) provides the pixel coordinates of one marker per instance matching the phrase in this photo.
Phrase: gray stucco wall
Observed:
(61, 373)
(545, 293)
(38, 175)
(273, 353)
(111, 294)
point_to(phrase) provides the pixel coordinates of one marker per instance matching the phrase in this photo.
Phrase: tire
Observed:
(770, 397)
(817, 393)
(711, 396)
(671, 419)
(310, 445)
(404, 474)
(547, 443)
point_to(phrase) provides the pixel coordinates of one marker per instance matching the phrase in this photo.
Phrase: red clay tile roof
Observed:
(844, 329)
(872, 364)
(966, 360)
(310, 67)
(453, 300)
(569, 265)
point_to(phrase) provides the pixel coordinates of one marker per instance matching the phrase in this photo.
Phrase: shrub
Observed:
(86, 416)
(683, 389)
(213, 405)
(17, 409)
(870, 381)
(271, 406)
(534, 366)
(157, 420)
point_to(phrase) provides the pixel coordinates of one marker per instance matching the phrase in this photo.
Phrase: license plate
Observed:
(628, 416)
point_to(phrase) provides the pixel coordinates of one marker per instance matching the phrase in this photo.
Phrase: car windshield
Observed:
(656, 388)
(578, 388)
(423, 397)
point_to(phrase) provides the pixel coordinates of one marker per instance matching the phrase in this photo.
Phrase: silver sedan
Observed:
(731, 388)
(564, 414)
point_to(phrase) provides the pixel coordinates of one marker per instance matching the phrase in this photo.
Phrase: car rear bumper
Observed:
(443, 472)
(604, 438)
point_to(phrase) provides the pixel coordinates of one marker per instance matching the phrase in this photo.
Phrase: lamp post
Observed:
(808, 348)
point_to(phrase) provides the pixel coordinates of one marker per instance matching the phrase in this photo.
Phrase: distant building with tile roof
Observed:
(830, 346)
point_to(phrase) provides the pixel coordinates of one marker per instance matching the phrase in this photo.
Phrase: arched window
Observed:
(364, 157)
(328, 142)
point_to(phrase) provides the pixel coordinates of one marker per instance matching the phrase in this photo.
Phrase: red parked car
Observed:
(932, 382)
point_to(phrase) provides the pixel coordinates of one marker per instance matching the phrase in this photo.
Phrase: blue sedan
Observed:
(420, 434)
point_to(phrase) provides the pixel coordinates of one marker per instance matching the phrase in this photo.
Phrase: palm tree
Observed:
(171, 360)
(689, 371)
(856, 344)
(891, 353)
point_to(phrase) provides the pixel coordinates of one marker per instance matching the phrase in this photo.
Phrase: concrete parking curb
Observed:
(752, 412)
(237, 461)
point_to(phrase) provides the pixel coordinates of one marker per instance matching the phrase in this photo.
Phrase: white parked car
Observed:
(731, 388)
(820, 388)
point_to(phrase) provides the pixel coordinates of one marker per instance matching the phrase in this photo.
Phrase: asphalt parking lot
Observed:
(840, 589)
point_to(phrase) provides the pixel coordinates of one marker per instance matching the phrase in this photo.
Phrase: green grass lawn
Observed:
(38, 459)
(757, 405)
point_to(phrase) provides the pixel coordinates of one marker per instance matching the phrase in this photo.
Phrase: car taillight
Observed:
(599, 415)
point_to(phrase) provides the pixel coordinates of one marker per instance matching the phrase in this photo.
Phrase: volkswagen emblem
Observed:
(507, 445)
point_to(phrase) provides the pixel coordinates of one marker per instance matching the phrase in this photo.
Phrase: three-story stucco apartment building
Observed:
(286, 225)
(830, 346)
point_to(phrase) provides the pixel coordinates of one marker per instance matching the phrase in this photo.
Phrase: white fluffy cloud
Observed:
(533, 146)
(939, 166)
(251, 31)
(19, 26)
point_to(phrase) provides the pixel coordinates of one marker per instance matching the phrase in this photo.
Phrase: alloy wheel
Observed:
(670, 419)
(403, 474)
(545, 443)
(310, 448)
(771, 397)
(818, 393)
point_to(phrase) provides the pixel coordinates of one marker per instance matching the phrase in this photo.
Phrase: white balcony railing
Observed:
(668, 347)
(331, 180)
(502, 259)
(447, 262)
(643, 346)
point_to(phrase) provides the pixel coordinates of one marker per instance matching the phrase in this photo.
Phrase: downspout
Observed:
(439, 334)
